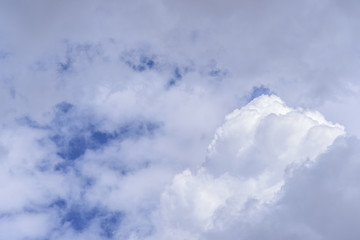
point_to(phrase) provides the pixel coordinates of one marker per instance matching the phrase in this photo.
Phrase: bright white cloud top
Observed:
(251, 155)
(117, 120)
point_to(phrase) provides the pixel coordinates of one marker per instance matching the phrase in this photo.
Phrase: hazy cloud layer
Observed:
(118, 121)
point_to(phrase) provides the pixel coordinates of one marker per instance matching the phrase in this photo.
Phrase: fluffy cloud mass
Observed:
(258, 147)
(118, 121)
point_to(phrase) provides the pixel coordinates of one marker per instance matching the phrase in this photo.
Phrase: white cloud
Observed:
(25, 225)
(317, 202)
(267, 128)
(251, 156)
(304, 51)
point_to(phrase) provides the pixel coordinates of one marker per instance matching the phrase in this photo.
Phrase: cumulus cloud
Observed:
(252, 154)
(317, 202)
(267, 128)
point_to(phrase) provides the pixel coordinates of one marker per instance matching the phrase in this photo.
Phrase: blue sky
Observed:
(144, 120)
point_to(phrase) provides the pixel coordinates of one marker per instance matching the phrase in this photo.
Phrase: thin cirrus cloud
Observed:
(118, 120)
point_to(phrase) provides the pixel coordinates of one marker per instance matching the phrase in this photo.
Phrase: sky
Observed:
(182, 120)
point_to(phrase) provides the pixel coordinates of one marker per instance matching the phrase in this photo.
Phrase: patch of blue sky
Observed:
(65, 66)
(64, 107)
(110, 223)
(217, 73)
(258, 91)
(70, 149)
(79, 218)
(148, 62)
(73, 141)
(140, 63)
(177, 75)
(74, 133)
(214, 71)
(59, 203)
(73, 147)
(99, 138)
